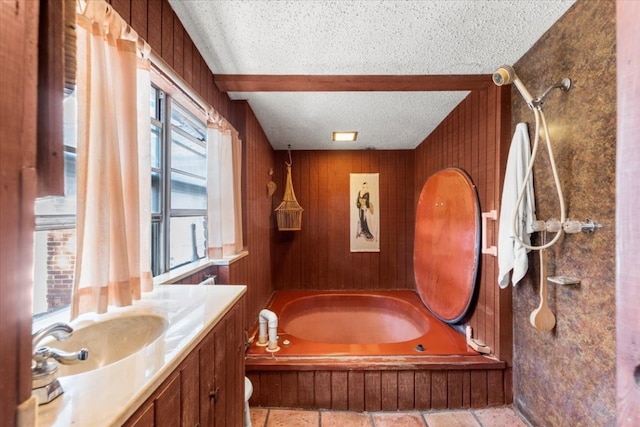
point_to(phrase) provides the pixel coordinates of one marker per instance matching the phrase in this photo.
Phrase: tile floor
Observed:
(503, 416)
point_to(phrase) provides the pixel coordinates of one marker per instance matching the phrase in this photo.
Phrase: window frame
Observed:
(161, 239)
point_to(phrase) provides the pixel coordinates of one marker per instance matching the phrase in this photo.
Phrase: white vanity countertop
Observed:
(110, 395)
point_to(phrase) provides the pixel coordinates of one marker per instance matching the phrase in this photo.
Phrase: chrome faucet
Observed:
(60, 331)
(46, 386)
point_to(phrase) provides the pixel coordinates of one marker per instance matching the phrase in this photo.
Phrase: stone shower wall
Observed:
(567, 376)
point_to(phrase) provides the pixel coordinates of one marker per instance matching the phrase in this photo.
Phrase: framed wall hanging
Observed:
(364, 212)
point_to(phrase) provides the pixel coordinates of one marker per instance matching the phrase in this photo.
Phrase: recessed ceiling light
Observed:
(345, 136)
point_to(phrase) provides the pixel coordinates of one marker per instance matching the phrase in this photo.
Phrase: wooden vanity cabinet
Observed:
(207, 388)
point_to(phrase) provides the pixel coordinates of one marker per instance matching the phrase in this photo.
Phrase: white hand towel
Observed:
(511, 254)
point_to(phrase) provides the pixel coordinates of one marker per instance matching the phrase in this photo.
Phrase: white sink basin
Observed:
(109, 341)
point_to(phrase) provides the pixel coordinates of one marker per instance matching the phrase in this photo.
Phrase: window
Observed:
(54, 239)
(178, 202)
(179, 184)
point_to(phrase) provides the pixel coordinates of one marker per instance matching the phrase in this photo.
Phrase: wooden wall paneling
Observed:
(214, 98)
(299, 171)
(154, 24)
(495, 388)
(439, 391)
(507, 386)
(289, 389)
(178, 46)
(306, 389)
(386, 390)
(406, 390)
(318, 256)
(479, 392)
(387, 245)
(423, 389)
(322, 389)
(313, 217)
(257, 210)
(316, 222)
(355, 278)
(339, 390)
(271, 388)
(449, 138)
(466, 389)
(195, 68)
(372, 391)
(325, 221)
(356, 391)
(396, 233)
(389, 390)
(334, 219)
(410, 215)
(124, 8)
(410, 211)
(187, 58)
(205, 76)
(455, 389)
(139, 17)
(254, 377)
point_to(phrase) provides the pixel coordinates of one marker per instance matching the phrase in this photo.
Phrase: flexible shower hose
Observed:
(539, 116)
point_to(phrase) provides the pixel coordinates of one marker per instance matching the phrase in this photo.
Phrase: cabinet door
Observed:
(222, 372)
(167, 403)
(207, 379)
(234, 356)
(144, 417)
(190, 390)
(221, 362)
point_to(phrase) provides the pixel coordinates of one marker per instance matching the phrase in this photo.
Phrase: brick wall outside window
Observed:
(61, 259)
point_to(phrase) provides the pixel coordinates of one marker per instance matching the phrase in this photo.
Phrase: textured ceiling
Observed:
(360, 38)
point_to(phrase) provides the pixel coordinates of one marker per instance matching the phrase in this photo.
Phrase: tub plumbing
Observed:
(270, 340)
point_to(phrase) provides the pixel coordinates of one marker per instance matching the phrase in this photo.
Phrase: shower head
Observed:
(506, 75)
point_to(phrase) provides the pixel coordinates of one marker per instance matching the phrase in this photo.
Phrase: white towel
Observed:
(511, 254)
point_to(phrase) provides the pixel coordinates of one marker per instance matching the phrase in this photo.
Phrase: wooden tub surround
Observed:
(357, 350)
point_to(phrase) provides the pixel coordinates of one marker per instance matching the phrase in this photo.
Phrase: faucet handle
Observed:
(60, 331)
(66, 358)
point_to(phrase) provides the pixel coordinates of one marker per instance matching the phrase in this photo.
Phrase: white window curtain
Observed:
(110, 194)
(224, 171)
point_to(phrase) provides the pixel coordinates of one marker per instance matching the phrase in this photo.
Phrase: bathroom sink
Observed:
(109, 341)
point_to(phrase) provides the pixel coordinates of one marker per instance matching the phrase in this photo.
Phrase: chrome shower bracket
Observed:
(588, 226)
(564, 85)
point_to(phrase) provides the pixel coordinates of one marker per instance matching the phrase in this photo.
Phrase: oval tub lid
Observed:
(446, 249)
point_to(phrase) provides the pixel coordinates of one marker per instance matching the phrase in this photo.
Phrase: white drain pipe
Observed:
(270, 318)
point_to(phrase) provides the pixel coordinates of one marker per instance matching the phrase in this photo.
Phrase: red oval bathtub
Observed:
(359, 323)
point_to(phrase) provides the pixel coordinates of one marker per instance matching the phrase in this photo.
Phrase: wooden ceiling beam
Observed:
(349, 83)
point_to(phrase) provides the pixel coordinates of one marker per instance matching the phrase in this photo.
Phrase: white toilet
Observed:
(248, 390)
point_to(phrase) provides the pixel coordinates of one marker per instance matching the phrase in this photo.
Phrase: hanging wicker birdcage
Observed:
(289, 212)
